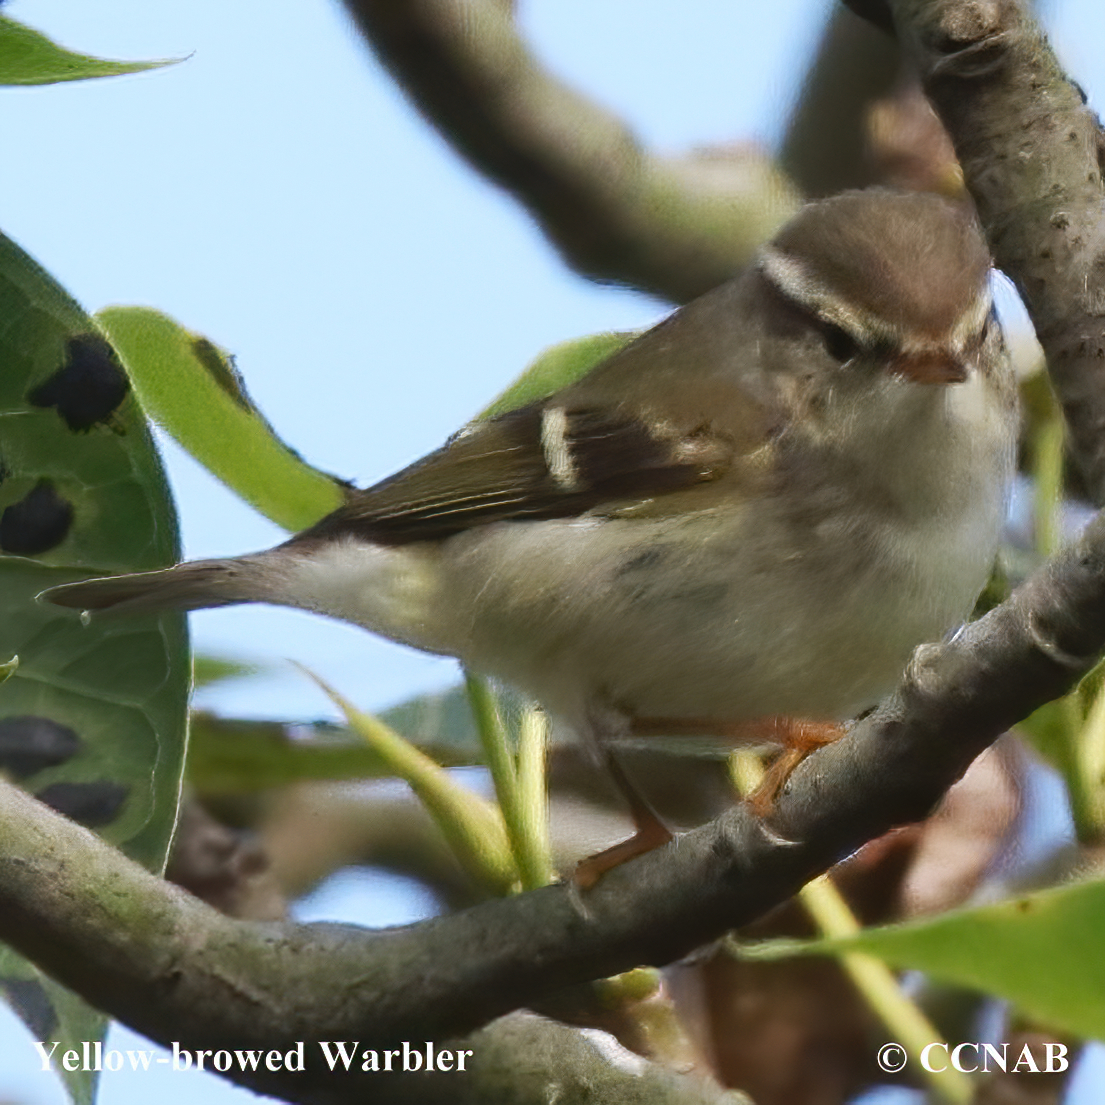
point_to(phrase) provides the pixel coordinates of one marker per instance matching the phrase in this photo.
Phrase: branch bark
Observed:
(615, 211)
(163, 961)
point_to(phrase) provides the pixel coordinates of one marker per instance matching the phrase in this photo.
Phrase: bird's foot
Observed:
(797, 736)
(588, 871)
(651, 831)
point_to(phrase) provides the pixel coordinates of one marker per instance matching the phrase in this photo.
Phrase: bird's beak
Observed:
(930, 366)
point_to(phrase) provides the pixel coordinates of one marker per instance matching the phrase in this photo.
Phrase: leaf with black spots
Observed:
(36, 524)
(30, 743)
(93, 718)
(88, 386)
(92, 805)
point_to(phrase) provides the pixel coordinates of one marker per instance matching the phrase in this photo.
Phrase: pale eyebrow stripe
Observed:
(793, 280)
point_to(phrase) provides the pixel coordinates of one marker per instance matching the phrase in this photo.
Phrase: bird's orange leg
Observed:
(651, 831)
(797, 736)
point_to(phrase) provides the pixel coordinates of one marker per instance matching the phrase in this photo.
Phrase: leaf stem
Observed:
(500, 762)
(535, 857)
(1048, 473)
(1087, 784)
(472, 825)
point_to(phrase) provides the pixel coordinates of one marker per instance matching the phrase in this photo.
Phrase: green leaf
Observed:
(1043, 952)
(517, 766)
(556, 367)
(1052, 729)
(239, 755)
(83, 493)
(28, 57)
(191, 388)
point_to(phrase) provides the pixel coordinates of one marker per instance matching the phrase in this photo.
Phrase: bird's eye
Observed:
(839, 344)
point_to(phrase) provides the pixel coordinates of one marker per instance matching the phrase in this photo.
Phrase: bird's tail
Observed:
(192, 586)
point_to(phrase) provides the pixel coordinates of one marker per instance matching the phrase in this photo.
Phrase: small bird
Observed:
(742, 522)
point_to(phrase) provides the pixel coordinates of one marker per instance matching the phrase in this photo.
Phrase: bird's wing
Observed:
(675, 409)
(552, 459)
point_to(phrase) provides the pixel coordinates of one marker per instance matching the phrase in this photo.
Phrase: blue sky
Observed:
(276, 192)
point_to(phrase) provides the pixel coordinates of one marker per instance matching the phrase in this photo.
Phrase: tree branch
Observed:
(1031, 156)
(616, 212)
(171, 966)
(826, 145)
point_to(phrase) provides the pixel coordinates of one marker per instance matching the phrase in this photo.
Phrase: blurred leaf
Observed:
(997, 589)
(1072, 733)
(28, 57)
(191, 388)
(440, 724)
(516, 762)
(215, 669)
(534, 858)
(235, 756)
(830, 912)
(1048, 447)
(1088, 803)
(1043, 952)
(556, 367)
(1047, 729)
(1038, 402)
(93, 717)
(1061, 732)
